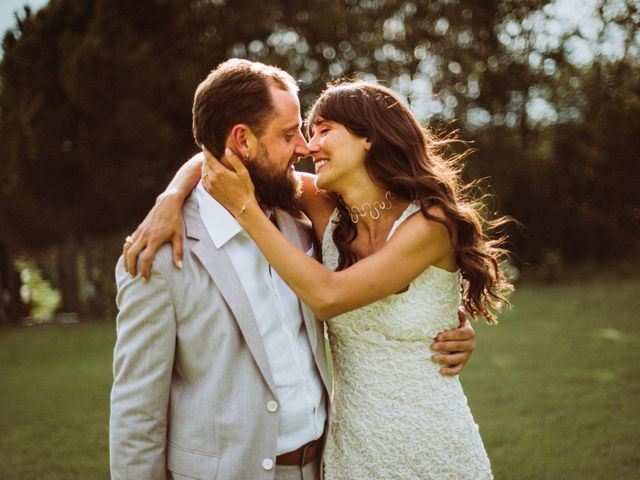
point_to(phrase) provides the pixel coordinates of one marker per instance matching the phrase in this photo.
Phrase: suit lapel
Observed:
(219, 266)
(288, 227)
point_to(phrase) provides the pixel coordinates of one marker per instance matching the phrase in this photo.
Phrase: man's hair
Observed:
(236, 91)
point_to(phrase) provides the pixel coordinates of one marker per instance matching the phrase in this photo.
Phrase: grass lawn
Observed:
(553, 388)
(54, 401)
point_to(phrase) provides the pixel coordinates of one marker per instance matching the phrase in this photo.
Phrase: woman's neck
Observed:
(373, 210)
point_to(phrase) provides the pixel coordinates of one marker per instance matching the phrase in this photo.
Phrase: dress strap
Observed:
(410, 210)
(328, 231)
(330, 253)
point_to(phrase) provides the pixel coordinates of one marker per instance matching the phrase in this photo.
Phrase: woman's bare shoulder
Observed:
(317, 204)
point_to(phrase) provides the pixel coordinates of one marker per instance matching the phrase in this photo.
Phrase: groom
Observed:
(219, 370)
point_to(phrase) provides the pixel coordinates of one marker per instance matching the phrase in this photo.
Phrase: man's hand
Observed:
(455, 346)
(164, 223)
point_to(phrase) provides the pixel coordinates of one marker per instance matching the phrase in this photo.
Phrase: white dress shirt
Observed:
(279, 317)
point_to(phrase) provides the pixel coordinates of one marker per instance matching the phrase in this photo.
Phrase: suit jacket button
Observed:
(267, 464)
(272, 405)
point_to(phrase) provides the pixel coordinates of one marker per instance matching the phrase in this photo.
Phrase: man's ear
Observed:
(242, 141)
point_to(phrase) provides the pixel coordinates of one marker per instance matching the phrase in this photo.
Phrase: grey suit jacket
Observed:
(191, 376)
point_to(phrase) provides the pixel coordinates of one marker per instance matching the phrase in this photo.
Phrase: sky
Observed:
(8, 7)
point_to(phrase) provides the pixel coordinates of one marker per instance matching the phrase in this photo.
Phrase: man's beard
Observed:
(274, 188)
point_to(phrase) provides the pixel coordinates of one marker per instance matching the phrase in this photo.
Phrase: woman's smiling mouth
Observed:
(320, 163)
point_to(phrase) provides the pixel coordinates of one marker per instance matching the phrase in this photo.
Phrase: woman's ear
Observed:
(367, 144)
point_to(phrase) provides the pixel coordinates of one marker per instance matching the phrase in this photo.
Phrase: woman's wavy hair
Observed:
(409, 161)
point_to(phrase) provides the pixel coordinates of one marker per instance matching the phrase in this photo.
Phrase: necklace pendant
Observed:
(374, 210)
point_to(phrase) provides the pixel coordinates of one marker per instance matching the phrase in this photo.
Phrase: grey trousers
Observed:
(311, 471)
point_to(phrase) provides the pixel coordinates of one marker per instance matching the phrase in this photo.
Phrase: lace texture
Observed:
(394, 416)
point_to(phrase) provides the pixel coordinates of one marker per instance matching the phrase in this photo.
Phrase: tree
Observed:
(96, 95)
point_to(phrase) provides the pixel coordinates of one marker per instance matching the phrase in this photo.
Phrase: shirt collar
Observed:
(219, 223)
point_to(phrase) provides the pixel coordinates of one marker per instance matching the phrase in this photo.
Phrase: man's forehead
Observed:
(286, 105)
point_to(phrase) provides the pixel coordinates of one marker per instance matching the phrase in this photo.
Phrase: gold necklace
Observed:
(372, 209)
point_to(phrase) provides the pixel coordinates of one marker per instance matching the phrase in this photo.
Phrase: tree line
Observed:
(96, 95)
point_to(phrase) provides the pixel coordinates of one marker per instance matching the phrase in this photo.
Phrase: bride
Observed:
(399, 236)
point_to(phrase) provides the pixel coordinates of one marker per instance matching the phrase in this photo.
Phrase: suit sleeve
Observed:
(142, 369)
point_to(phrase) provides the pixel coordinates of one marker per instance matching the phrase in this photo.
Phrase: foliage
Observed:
(95, 104)
(44, 299)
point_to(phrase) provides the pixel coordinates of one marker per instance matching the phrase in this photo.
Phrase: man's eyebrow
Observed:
(295, 126)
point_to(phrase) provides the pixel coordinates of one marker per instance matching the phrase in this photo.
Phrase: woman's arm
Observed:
(164, 222)
(326, 292)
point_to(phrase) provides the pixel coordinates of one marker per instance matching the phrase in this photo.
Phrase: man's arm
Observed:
(455, 346)
(142, 368)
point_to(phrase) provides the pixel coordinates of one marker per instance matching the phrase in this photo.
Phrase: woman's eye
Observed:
(323, 131)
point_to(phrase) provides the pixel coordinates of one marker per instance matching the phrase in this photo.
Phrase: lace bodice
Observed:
(393, 414)
(404, 312)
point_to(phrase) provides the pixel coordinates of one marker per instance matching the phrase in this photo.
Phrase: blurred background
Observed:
(95, 117)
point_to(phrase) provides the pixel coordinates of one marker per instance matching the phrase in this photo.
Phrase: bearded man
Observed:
(219, 370)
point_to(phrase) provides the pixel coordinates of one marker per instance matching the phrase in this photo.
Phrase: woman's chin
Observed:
(321, 181)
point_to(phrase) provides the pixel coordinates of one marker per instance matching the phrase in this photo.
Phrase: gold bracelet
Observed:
(244, 207)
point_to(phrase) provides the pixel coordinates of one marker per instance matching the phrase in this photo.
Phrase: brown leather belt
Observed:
(302, 455)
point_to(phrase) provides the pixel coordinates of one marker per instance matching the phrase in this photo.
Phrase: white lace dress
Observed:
(394, 416)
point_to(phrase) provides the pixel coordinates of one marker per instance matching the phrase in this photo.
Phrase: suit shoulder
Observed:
(304, 224)
(162, 261)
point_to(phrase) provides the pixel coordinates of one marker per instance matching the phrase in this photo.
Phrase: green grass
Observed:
(553, 387)
(54, 401)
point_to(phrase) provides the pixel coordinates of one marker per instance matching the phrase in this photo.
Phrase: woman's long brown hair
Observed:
(409, 161)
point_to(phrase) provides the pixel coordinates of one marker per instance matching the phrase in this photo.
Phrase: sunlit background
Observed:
(95, 107)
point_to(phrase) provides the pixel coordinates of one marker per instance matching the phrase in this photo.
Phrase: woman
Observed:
(398, 234)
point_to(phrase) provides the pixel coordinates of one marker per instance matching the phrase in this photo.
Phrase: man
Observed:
(219, 370)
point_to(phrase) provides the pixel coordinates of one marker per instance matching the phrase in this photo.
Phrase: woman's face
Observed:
(338, 155)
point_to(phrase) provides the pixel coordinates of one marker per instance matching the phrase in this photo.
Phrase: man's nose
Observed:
(302, 149)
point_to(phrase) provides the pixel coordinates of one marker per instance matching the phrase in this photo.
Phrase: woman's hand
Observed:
(233, 188)
(164, 223)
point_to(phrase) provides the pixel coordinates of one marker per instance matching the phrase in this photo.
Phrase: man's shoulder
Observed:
(162, 262)
(305, 229)
(302, 222)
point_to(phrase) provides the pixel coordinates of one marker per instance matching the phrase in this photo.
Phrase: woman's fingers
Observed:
(211, 162)
(178, 248)
(236, 163)
(125, 247)
(132, 255)
(146, 259)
